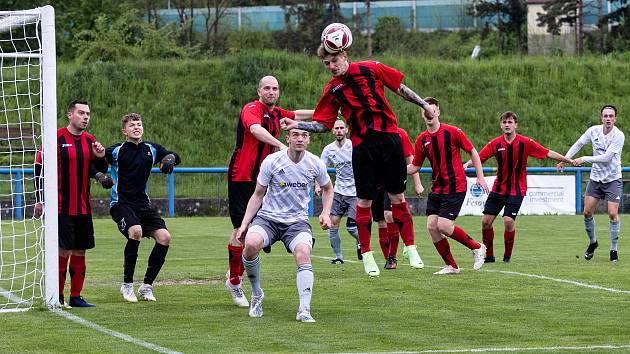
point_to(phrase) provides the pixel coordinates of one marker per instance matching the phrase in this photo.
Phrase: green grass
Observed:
(402, 310)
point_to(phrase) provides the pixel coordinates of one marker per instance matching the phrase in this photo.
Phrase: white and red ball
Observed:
(336, 37)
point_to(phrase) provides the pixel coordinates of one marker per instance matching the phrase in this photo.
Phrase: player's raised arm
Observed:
(409, 95)
(303, 114)
(315, 127)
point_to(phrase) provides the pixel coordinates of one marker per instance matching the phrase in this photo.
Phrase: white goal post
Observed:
(28, 124)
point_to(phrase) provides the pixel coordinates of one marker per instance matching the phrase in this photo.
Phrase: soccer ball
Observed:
(336, 37)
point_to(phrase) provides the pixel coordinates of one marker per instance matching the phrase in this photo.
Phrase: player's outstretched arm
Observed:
(303, 114)
(314, 127)
(481, 181)
(264, 136)
(327, 199)
(409, 95)
(254, 203)
(558, 157)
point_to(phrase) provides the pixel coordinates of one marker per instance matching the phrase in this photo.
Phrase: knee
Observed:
(433, 227)
(587, 213)
(445, 227)
(253, 245)
(509, 224)
(302, 253)
(64, 253)
(163, 237)
(135, 232)
(613, 216)
(486, 223)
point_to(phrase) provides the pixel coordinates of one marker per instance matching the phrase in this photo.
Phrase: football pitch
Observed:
(548, 299)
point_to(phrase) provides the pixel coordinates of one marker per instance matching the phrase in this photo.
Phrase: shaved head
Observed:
(267, 80)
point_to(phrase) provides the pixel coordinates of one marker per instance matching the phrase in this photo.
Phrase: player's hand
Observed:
(560, 166)
(39, 210)
(318, 189)
(419, 189)
(105, 180)
(481, 182)
(288, 124)
(467, 164)
(98, 150)
(281, 147)
(429, 112)
(578, 162)
(324, 221)
(241, 233)
(167, 164)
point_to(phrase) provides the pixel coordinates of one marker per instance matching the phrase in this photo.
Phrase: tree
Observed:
(560, 12)
(511, 20)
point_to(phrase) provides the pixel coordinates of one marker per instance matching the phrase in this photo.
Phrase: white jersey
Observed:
(289, 185)
(606, 157)
(341, 159)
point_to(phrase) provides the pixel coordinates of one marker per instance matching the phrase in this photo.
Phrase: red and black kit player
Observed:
(441, 145)
(356, 90)
(79, 158)
(511, 151)
(256, 137)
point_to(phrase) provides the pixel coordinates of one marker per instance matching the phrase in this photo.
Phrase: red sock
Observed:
(444, 249)
(488, 240)
(77, 274)
(402, 216)
(236, 263)
(392, 233)
(383, 241)
(63, 268)
(364, 225)
(509, 242)
(462, 237)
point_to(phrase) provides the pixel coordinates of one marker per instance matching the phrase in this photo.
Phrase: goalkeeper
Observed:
(130, 206)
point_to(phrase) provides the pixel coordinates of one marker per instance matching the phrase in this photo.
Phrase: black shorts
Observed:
(445, 205)
(496, 202)
(75, 232)
(126, 216)
(378, 161)
(238, 197)
(379, 205)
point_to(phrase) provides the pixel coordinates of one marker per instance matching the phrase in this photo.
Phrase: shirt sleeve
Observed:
(464, 143)
(109, 154)
(324, 156)
(583, 140)
(614, 149)
(406, 143)
(418, 156)
(536, 150)
(326, 110)
(264, 176)
(322, 174)
(487, 152)
(391, 77)
(251, 115)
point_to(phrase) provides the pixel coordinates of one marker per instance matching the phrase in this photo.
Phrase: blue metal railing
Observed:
(18, 182)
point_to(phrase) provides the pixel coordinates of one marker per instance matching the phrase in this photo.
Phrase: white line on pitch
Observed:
(536, 276)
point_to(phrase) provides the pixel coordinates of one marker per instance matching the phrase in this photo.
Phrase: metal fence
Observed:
(203, 181)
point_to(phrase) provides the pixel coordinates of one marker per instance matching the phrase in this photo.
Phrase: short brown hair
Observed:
(508, 115)
(432, 100)
(131, 117)
(74, 104)
(322, 53)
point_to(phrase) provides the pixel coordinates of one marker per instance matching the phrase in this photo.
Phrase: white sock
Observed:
(304, 281)
(253, 274)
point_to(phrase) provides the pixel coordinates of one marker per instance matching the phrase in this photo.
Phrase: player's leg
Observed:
(512, 207)
(156, 259)
(298, 239)
(392, 238)
(84, 232)
(378, 215)
(238, 196)
(449, 211)
(591, 197)
(365, 170)
(64, 257)
(351, 222)
(337, 210)
(66, 243)
(440, 242)
(128, 225)
(614, 191)
(261, 233)
(491, 209)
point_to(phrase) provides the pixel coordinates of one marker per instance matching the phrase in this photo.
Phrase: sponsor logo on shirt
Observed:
(336, 88)
(298, 185)
(501, 149)
(66, 145)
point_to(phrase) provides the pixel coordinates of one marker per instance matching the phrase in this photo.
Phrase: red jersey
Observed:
(360, 94)
(442, 150)
(512, 162)
(249, 152)
(406, 142)
(74, 157)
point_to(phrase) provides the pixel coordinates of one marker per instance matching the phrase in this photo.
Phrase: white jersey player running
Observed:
(283, 189)
(605, 180)
(339, 154)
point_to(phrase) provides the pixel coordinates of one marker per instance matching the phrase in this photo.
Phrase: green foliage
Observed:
(192, 106)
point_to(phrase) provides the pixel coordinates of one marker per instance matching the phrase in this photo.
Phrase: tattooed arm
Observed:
(408, 94)
(315, 127)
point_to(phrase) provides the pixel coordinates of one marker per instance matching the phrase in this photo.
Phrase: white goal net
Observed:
(28, 245)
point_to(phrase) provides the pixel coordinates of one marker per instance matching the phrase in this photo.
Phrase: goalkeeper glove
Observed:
(167, 164)
(106, 181)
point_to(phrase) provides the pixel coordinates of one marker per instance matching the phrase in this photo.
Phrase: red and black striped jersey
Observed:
(406, 142)
(442, 150)
(512, 162)
(75, 165)
(360, 94)
(249, 152)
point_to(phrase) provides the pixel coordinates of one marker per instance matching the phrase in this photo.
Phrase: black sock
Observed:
(156, 260)
(131, 255)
